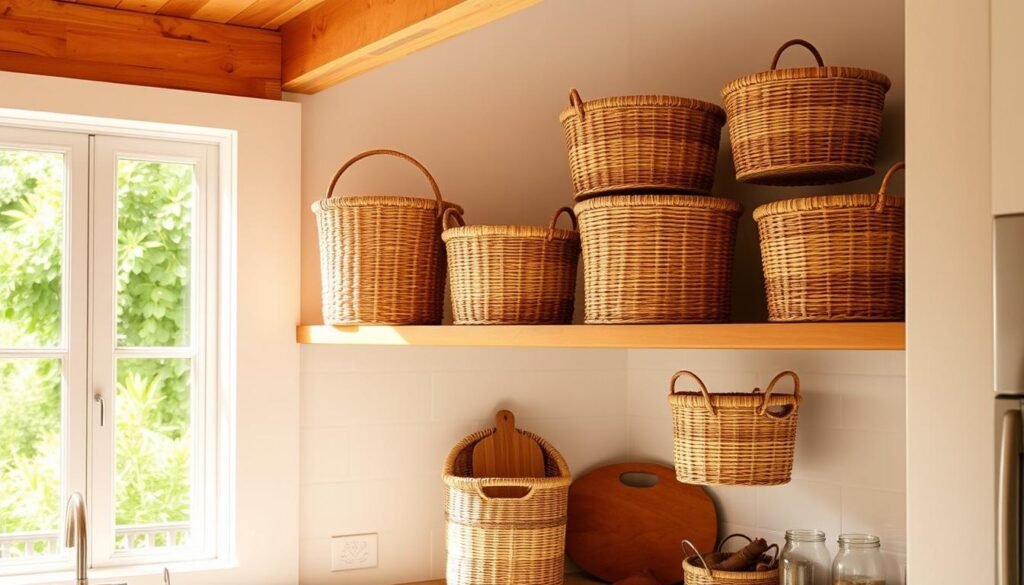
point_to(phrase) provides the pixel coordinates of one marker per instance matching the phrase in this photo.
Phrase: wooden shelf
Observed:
(850, 336)
(571, 579)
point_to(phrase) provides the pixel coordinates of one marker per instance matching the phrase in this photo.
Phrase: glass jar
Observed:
(804, 559)
(859, 561)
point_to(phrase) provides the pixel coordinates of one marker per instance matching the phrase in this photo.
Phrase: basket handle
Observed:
(802, 43)
(884, 189)
(576, 102)
(395, 153)
(490, 482)
(696, 553)
(763, 410)
(554, 221)
(450, 214)
(731, 536)
(703, 389)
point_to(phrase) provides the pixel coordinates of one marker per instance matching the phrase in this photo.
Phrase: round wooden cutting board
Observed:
(629, 517)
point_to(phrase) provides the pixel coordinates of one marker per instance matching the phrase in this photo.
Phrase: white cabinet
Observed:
(1007, 107)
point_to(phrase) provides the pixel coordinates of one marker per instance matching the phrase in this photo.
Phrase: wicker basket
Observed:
(498, 541)
(644, 143)
(510, 274)
(657, 258)
(734, 438)
(834, 258)
(805, 126)
(696, 571)
(381, 257)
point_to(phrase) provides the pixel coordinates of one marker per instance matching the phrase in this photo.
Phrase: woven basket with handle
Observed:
(734, 438)
(835, 257)
(657, 258)
(511, 274)
(696, 569)
(381, 256)
(647, 143)
(500, 541)
(805, 126)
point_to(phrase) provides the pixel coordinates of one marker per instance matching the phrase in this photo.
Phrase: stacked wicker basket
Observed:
(656, 248)
(825, 258)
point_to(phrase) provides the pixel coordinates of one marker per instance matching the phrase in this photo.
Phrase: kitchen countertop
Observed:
(573, 579)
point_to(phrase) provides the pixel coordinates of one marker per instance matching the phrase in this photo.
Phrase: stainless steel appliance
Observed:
(1009, 387)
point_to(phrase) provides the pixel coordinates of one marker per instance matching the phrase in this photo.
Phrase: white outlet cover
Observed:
(354, 551)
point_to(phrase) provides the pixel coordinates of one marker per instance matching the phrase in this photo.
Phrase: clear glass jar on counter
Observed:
(805, 560)
(859, 561)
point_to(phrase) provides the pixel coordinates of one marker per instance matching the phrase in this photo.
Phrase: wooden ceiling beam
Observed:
(46, 37)
(338, 39)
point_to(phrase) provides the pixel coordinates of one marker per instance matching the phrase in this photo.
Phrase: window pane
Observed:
(154, 252)
(153, 449)
(31, 247)
(30, 457)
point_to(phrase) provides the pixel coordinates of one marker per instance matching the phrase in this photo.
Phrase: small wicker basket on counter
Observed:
(657, 258)
(734, 438)
(647, 143)
(498, 541)
(835, 257)
(381, 256)
(696, 569)
(805, 126)
(511, 274)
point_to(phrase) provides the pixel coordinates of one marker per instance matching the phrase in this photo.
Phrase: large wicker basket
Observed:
(657, 258)
(647, 143)
(696, 571)
(834, 258)
(734, 438)
(805, 126)
(511, 274)
(381, 257)
(499, 541)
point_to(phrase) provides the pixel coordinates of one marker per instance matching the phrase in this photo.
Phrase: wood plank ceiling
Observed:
(268, 14)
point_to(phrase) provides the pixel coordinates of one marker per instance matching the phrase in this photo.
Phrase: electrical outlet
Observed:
(355, 551)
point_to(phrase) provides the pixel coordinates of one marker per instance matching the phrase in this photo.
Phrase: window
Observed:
(109, 360)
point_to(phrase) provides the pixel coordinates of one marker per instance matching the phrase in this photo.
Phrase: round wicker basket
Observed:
(834, 258)
(497, 541)
(511, 274)
(805, 126)
(696, 571)
(381, 256)
(734, 438)
(657, 258)
(647, 143)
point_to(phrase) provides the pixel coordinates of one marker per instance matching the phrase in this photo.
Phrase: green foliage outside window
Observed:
(153, 442)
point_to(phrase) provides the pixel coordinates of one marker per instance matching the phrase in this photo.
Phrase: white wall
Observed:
(481, 111)
(267, 303)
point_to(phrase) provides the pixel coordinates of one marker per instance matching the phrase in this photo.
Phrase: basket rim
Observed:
(531, 232)
(864, 201)
(646, 101)
(380, 201)
(563, 479)
(686, 201)
(803, 73)
(689, 566)
(729, 400)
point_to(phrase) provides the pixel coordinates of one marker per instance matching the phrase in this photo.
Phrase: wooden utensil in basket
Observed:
(507, 453)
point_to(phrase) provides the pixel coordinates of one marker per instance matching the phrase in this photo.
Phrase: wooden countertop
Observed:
(573, 579)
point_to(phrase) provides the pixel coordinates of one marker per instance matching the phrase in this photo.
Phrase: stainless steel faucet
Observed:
(75, 536)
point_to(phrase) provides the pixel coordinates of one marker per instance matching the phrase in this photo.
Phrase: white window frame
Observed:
(90, 273)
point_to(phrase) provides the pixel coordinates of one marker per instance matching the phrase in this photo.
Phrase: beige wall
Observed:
(267, 304)
(481, 110)
(950, 403)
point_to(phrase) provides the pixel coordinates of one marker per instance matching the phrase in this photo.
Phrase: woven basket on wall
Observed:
(696, 571)
(734, 438)
(641, 143)
(498, 541)
(805, 126)
(657, 258)
(511, 274)
(834, 258)
(381, 257)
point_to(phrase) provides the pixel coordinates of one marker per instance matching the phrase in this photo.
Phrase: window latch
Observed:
(98, 399)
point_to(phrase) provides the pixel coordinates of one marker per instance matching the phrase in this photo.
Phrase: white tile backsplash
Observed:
(378, 423)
